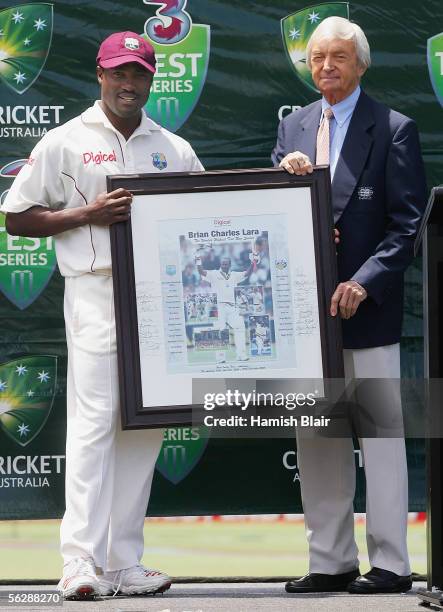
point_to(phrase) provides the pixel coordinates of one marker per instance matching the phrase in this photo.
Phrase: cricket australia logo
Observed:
(435, 64)
(27, 391)
(25, 39)
(297, 29)
(26, 264)
(182, 449)
(182, 50)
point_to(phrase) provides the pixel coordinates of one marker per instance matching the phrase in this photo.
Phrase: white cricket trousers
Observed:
(260, 342)
(108, 471)
(327, 475)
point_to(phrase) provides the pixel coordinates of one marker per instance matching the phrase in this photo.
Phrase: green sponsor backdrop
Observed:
(226, 84)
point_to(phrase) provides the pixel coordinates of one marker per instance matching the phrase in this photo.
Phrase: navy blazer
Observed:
(378, 198)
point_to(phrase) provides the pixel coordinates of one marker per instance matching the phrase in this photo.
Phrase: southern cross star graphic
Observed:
(294, 34)
(19, 77)
(28, 386)
(43, 376)
(17, 17)
(23, 430)
(25, 36)
(39, 24)
(297, 29)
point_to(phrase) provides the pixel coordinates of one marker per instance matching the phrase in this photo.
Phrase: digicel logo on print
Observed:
(98, 158)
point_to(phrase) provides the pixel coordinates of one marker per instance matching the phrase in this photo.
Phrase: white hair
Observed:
(338, 27)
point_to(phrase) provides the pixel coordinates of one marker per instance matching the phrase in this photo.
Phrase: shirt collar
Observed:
(344, 109)
(95, 114)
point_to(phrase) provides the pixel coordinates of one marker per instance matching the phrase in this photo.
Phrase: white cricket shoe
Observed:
(135, 580)
(79, 580)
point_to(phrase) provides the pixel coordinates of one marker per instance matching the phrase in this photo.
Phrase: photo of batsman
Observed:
(250, 299)
(224, 283)
(260, 335)
(200, 307)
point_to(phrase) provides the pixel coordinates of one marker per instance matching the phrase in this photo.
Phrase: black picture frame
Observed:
(134, 414)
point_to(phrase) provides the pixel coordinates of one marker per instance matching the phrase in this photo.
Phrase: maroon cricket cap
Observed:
(124, 47)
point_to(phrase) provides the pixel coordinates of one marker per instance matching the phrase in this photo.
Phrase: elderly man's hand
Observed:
(297, 163)
(347, 297)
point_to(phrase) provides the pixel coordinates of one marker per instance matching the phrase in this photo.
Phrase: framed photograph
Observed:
(225, 274)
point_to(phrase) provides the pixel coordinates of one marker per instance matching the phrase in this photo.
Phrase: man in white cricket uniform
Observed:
(260, 337)
(257, 300)
(224, 281)
(62, 192)
(242, 302)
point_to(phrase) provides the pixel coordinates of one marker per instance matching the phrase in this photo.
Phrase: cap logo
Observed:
(132, 43)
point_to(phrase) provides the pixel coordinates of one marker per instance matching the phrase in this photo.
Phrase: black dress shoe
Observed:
(321, 583)
(380, 581)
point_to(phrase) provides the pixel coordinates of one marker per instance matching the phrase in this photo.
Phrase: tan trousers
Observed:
(327, 474)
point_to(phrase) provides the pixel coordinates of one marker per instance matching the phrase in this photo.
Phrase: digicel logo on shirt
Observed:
(98, 158)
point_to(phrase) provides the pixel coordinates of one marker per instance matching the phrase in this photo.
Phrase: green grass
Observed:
(29, 549)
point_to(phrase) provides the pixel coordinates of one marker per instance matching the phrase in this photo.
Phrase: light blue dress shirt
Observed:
(339, 125)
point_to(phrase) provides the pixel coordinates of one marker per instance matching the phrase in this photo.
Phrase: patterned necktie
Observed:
(323, 138)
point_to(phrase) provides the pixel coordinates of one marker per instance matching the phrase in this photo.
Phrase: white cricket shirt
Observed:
(223, 286)
(68, 169)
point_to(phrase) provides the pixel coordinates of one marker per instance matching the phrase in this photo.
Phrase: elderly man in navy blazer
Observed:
(378, 197)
